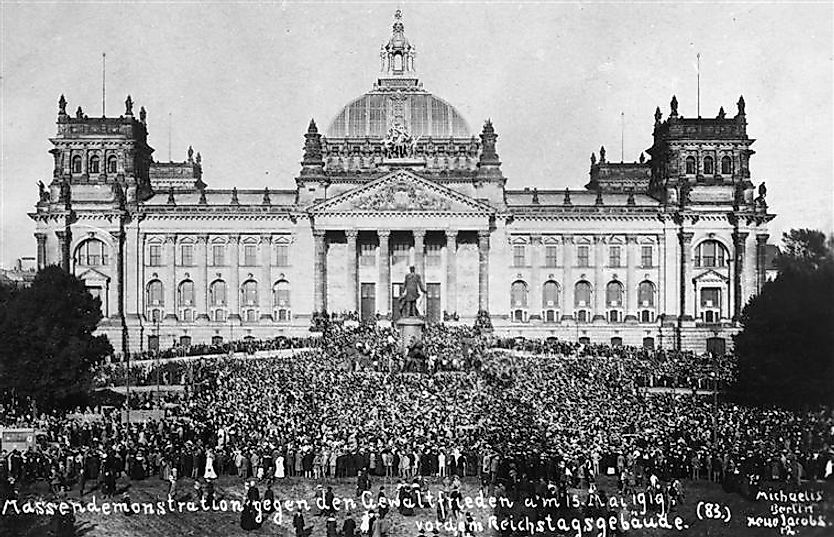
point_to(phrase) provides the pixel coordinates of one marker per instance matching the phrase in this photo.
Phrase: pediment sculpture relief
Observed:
(401, 197)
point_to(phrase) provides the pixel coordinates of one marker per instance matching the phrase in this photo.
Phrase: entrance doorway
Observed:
(433, 314)
(716, 346)
(368, 294)
(396, 293)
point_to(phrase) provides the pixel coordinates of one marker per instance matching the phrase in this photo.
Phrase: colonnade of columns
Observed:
(320, 291)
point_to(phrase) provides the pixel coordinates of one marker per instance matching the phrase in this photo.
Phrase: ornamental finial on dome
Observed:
(397, 56)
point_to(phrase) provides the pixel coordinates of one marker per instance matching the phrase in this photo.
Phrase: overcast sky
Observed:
(241, 82)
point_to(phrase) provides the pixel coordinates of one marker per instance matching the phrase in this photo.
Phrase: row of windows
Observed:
(551, 291)
(218, 293)
(584, 316)
(400, 254)
(583, 256)
(93, 165)
(281, 257)
(708, 164)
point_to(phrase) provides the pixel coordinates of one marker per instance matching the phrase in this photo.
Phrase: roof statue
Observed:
(567, 197)
(62, 105)
(190, 153)
(234, 200)
(741, 105)
(657, 115)
(673, 104)
(642, 158)
(593, 159)
(143, 116)
(128, 106)
(266, 200)
(602, 154)
(721, 113)
(79, 113)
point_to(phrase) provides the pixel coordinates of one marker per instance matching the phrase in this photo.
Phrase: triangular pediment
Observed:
(711, 276)
(402, 192)
(92, 275)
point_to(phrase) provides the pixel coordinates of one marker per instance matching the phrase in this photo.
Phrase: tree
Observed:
(47, 346)
(786, 348)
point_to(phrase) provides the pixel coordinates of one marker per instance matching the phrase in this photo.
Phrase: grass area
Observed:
(217, 524)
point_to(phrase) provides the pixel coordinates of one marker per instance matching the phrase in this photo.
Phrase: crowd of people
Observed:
(516, 413)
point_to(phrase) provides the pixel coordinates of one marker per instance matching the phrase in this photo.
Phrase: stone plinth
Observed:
(411, 331)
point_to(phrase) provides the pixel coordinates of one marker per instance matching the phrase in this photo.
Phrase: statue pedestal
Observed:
(411, 331)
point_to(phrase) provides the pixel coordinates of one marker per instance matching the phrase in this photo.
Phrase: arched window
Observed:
(155, 296)
(185, 294)
(550, 295)
(91, 253)
(112, 164)
(281, 300)
(690, 166)
(94, 164)
(710, 254)
(249, 292)
(614, 294)
(726, 166)
(518, 294)
(645, 294)
(709, 168)
(582, 294)
(76, 164)
(217, 293)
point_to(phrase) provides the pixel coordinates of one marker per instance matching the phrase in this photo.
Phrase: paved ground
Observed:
(227, 524)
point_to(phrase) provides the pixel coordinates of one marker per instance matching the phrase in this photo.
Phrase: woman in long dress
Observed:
(209, 472)
(279, 467)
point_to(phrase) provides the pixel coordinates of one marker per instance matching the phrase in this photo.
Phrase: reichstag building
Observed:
(664, 251)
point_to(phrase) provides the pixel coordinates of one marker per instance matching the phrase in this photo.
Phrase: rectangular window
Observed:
(582, 256)
(187, 255)
(433, 255)
(155, 255)
(646, 256)
(250, 255)
(282, 255)
(614, 256)
(367, 254)
(218, 255)
(518, 255)
(550, 256)
(400, 253)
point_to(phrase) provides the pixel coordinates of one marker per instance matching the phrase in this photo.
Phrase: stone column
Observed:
(352, 270)
(201, 284)
(233, 297)
(739, 243)
(384, 304)
(761, 261)
(632, 258)
(419, 252)
(64, 247)
(170, 285)
(483, 270)
(41, 238)
(451, 270)
(568, 313)
(116, 271)
(320, 270)
(687, 303)
(265, 291)
(599, 285)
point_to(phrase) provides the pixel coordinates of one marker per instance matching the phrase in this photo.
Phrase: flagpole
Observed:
(103, 81)
(699, 84)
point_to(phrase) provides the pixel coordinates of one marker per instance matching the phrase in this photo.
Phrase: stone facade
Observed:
(661, 252)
